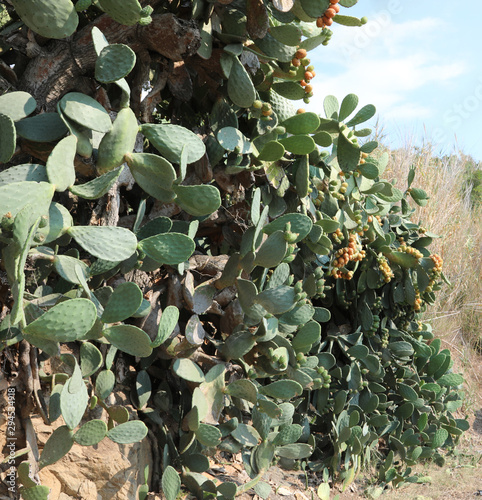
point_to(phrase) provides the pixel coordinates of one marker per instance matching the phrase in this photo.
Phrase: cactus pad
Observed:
(17, 105)
(188, 370)
(123, 303)
(90, 359)
(129, 432)
(60, 163)
(127, 13)
(46, 127)
(96, 188)
(119, 141)
(168, 248)
(240, 87)
(198, 200)
(105, 242)
(152, 172)
(167, 323)
(51, 20)
(26, 172)
(65, 322)
(114, 62)
(8, 138)
(170, 140)
(91, 433)
(85, 111)
(171, 483)
(104, 384)
(129, 339)
(57, 445)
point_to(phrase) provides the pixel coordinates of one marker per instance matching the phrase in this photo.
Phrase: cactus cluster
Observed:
(307, 341)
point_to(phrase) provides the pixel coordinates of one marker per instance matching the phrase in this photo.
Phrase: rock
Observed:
(107, 471)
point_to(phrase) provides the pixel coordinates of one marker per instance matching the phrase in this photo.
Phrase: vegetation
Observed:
(265, 281)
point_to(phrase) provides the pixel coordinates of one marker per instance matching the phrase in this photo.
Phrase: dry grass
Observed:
(457, 316)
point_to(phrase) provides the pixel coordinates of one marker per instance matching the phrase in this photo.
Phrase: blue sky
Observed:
(419, 63)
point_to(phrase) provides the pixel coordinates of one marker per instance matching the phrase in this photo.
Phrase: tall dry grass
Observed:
(457, 316)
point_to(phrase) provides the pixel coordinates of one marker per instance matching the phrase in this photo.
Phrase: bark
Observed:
(63, 66)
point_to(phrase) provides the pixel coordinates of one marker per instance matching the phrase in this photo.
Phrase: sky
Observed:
(419, 63)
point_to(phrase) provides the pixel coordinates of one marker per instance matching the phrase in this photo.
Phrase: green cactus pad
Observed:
(60, 163)
(46, 127)
(104, 384)
(281, 106)
(14, 200)
(127, 13)
(287, 34)
(58, 444)
(152, 172)
(299, 315)
(90, 359)
(188, 370)
(8, 138)
(170, 140)
(119, 141)
(300, 224)
(143, 388)
(123, 303)
(26, 172)
(85, 111)
(154, 227)
(96, 188)
(308, 335)
(303, 123)
(439, 438)
(65, 266)
(58, 221)
(105, 242)
(129, 339)
(168, 248)
(65, 322)
(282, 389)
(91, 433)
(84, 135)
(240, 87)
(73, 404)
(114, 62)
(295, 451)
(130, 432)
(276, 300)
(289, 90)
(51, 20)
(17, 105)
(171, 483)
(272, 251)
(244, 389)
(119, 414)
(273, 48)
(347, 20)
(299, 144)
(272, 151)
(288, 435)
(208, 435)
(302, 178)
(231, 139)
(99, 40)
(167, 323)
(198, 200)
(23, 473)
(247, 435)
(37, 492)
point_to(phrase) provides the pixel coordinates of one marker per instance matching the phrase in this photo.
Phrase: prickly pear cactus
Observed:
(246, 259)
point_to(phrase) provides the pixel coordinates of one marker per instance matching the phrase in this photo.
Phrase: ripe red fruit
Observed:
(300, 111)
(295, 62)
(328, 21)
(308, 75)
(300, 53)
(320, 23)
(335, 7)
(308, 89)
